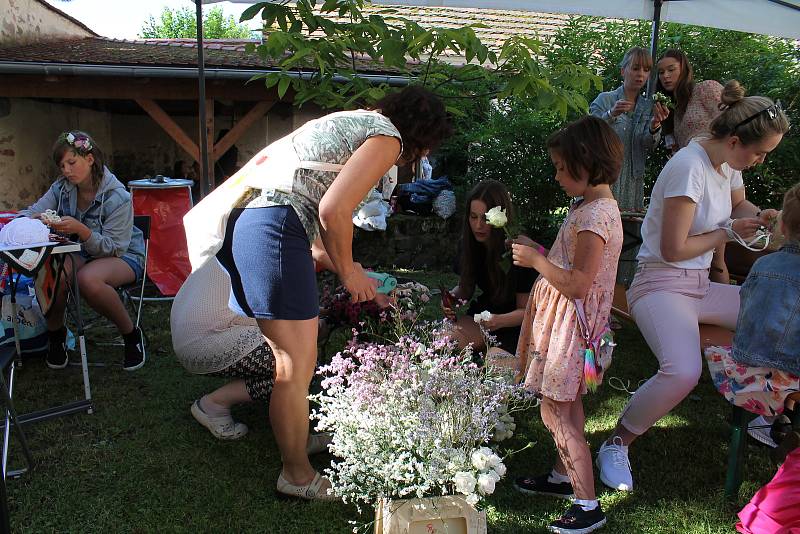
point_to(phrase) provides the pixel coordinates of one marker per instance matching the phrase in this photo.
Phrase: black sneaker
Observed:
(578, 521)
(542, 486)
(134, 352)
(57, 357)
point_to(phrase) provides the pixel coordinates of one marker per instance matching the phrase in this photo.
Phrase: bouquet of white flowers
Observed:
(414, 419)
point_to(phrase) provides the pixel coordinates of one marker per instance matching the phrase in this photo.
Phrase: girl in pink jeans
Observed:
(693, 202)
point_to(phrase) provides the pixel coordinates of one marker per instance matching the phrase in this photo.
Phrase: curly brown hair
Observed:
(589, 144)
(420, 117)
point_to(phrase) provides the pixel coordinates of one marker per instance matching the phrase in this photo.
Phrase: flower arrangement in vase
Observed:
(414, 419)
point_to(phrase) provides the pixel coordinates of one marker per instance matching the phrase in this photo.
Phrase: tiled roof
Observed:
(219, 53)
(500, 24)
(104, 51)
(224, 53)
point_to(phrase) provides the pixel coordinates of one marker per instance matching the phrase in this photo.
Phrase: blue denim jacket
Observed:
(768, 329)
(633, 130)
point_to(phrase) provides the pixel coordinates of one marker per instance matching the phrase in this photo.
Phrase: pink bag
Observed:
(775, 508)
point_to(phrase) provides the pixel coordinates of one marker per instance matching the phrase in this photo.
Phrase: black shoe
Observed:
(57, 357)
(541, 486)
(578, 521)
(134, 351)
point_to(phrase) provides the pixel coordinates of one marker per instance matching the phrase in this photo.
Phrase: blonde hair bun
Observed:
(732, 93)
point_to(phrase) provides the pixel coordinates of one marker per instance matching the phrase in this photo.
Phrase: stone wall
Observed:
(25, 21)
(134, 145)
(27, 134)
(409, 242)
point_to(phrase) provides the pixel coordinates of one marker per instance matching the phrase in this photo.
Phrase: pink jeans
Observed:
(668, 304)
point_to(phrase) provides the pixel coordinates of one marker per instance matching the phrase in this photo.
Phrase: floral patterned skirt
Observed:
(760, 390)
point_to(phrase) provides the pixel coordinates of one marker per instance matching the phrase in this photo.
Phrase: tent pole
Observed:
(651, 83)
(205, 183)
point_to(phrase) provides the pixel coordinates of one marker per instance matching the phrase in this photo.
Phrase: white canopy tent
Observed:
(779, 18)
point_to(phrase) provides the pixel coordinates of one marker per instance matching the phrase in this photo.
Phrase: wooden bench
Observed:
(710, 336)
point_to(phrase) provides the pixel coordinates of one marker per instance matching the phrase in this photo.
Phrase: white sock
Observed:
(213, 409)
(586, 504)
(557, 478)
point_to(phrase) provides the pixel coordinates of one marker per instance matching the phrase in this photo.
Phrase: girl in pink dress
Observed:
(581, 267)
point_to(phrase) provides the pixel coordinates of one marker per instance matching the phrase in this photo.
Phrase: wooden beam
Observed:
(209, 126)
(254, 114)
(170, 126)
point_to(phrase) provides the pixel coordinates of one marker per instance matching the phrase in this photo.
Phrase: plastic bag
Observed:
(31, 325)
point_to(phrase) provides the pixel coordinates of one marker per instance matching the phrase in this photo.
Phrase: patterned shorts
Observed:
(258, 371)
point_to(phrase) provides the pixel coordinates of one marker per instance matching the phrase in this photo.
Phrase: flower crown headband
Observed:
(80, 142)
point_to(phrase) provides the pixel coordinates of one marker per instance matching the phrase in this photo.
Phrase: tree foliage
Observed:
(507, 142)
(322, 59)
(182, 23)
(764, 65)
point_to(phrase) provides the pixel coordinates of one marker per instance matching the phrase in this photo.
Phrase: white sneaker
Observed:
(758, 429)
(615, 468)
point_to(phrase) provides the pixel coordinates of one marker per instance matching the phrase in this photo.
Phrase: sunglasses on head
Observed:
(772, 112)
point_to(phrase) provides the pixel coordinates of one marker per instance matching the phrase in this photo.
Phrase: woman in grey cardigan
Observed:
(94, 208)
(636, 120)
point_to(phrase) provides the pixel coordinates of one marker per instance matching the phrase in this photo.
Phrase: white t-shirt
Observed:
(689, 173)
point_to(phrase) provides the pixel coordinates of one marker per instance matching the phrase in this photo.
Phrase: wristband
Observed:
(541, 250)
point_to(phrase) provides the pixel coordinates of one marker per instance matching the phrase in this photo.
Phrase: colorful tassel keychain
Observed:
(592, 367)
(591, 374)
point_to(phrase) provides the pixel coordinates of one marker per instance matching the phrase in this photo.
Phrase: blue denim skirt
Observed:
(268, 257)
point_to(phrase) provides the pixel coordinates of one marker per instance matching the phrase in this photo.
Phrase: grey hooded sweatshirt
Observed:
(109, 217)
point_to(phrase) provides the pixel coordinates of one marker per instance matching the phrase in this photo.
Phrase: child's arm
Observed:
(573, 283)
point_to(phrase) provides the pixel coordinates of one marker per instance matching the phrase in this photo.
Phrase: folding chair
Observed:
(129, 292)
(135, 293)
(8, 363)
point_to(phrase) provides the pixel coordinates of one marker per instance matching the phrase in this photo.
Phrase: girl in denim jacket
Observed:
(764, 366)
(94, 208)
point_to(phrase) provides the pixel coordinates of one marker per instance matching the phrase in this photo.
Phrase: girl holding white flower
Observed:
(500, 306)
(578, 274)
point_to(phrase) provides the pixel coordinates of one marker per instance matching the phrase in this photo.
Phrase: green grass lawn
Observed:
(142, 464)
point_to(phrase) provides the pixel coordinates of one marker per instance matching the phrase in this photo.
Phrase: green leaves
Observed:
(340, 40)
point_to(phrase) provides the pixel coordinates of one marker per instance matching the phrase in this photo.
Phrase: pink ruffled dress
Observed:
(551, 342)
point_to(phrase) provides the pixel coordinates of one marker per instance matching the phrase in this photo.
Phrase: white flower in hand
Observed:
(486, 483)
(465, 482)
(482, 316)
(496, 217)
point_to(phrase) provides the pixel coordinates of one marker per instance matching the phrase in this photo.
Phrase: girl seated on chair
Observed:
(764, 366)
(93, 208)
